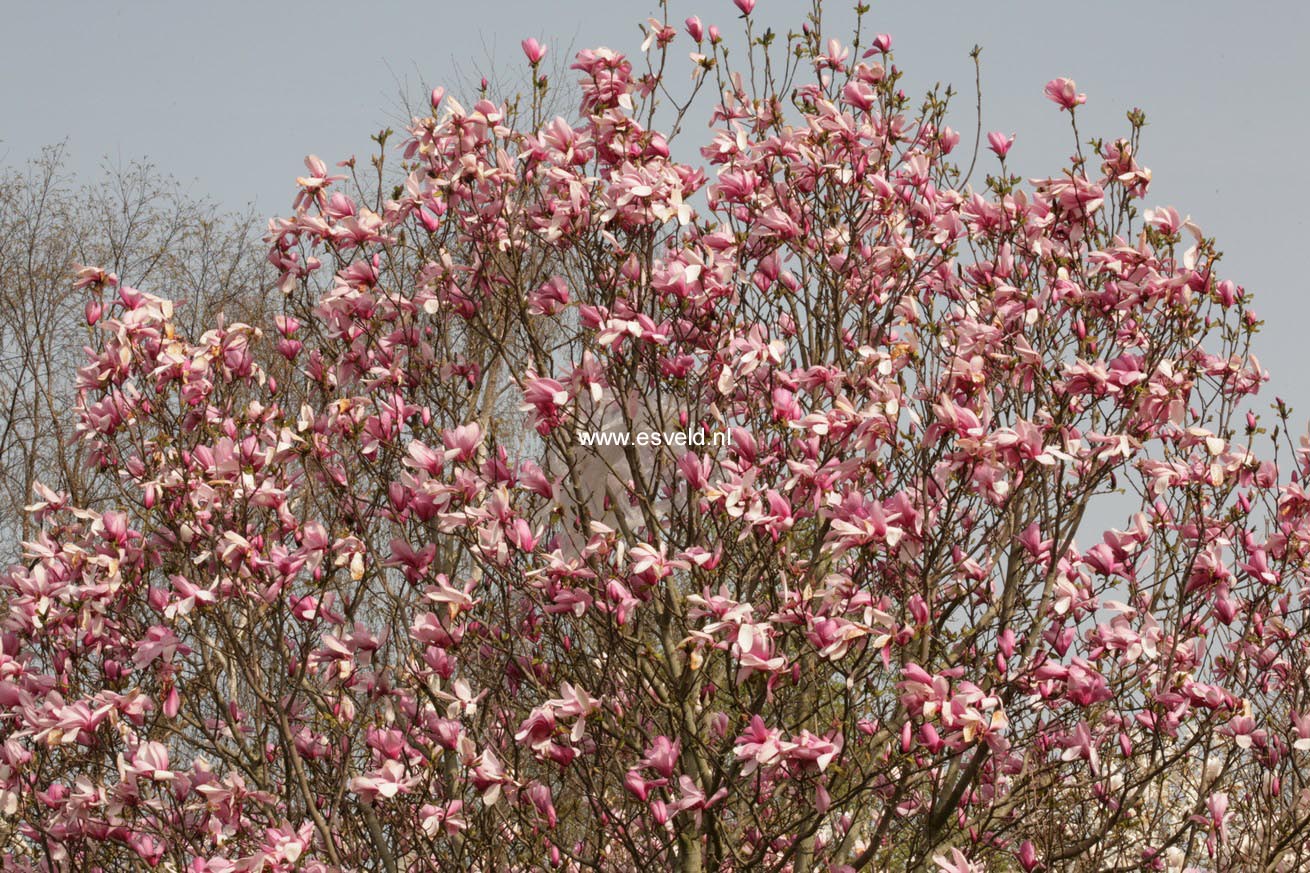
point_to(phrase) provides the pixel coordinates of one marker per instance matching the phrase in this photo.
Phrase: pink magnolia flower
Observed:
(284, 846)
(534, 50)
(1217, 804)
(538, 729)
(151, 761)
(948, 140)
(693, 797)
(159, 642)
(1080, 744)
(549, 298)
(836, 57)
(1027, 856)
(574, 702)
(386, 782)
(860, 95)
(540, 797)
(640, 786)
(999, 143)
(1064, 92)
(759, 746)
(1301, 724)
(746, 6)
(882, 43)
(812, 752)
(462, 442)
(94, 276)
(448, 818)
(957, 863)
(662, 756)
(313, 185)
(695, 28)
(546, 398)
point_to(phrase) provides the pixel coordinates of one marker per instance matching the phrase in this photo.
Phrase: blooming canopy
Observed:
(363, 601)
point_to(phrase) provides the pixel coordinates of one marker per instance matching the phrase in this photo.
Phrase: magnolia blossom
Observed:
(999, 143)
(1064, 93)
(533, 51)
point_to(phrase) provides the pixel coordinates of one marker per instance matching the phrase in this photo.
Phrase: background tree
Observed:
(341, 617)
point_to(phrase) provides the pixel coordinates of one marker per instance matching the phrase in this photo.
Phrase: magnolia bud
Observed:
(172, 703)
(1027, 856)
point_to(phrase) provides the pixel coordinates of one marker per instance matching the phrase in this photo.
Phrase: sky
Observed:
(229, 97)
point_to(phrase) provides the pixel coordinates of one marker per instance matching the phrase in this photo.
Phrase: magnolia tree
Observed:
(365, 600)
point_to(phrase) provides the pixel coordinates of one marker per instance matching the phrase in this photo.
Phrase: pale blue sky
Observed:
(229, 96)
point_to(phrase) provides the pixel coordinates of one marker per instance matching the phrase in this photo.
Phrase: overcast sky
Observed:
(228, 97)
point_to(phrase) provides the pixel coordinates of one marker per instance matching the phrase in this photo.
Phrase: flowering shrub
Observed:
(347, 612)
